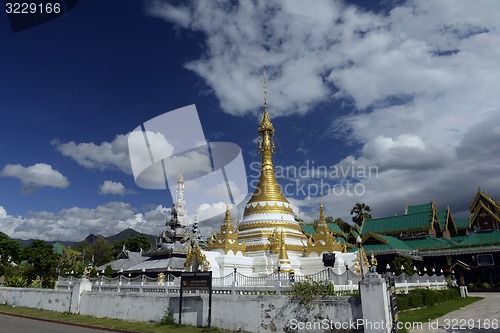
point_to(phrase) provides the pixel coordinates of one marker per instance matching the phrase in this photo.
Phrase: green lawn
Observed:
(108, 323)
(433, 312)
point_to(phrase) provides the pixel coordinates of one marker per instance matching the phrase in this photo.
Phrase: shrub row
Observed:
(425, 297)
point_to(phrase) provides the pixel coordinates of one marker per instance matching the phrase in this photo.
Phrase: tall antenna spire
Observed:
(265, 89)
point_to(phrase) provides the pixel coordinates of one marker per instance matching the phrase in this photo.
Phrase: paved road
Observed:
(479, 317)
(11, 324)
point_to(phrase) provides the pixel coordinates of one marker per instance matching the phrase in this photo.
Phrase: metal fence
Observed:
(237, 283)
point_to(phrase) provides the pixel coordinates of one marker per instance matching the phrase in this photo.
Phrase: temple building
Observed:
(435, 241)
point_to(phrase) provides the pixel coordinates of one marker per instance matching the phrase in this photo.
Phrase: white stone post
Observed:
(79, 287)
(377, 317)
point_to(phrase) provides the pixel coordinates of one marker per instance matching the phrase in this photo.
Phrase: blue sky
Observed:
(409, 89)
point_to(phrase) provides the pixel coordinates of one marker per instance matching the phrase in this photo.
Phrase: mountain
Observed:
(127, 233)
(123, 235)
(29, 242)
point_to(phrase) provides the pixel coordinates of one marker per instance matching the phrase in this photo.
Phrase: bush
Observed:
(16, 281)
(425, 297)
(305, 291)
(168, 318)
(108, 271)
(485, 285)
(430, 297)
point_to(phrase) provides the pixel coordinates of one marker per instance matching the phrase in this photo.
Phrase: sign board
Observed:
(196, 281)
(485, 260)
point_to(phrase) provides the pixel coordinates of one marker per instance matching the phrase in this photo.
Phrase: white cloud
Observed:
(75, 223)
(421, 81)
(3, 212)
(35, 176)
(107, 155)
(111, 187)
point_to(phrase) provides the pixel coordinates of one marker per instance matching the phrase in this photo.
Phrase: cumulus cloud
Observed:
(76, 223)
(111, 187)
(35, 176)
(417, 85)
(106, 155)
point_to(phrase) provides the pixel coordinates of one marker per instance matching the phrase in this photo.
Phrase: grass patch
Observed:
(433, 312)
(105, 322)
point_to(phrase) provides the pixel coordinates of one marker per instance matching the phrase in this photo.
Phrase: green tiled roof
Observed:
(335, 228)
(382, 243)
(398, 224)
(462, 224)
(308, 229)
(460, 250)
(441, 215)
(458, 239)
(482, 238)
(341, 240)
(419, 208)
(429, 243)
(57, 248)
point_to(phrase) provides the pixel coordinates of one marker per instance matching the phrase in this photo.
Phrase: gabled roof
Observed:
(480, 196)
(426, 243)
(482, 238)
(398, 224)
(446, 221)
(419, 208)
(377, 243)
(462, 224)
(334, 227)
(308, 229)
(131, 259)
(482, 206)
(441, 215)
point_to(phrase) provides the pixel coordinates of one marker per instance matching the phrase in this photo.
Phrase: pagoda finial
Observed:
(227, 218)
(322, 219)
(265, 124)
(265, 89)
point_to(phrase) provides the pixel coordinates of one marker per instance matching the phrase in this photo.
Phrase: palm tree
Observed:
(360, 212)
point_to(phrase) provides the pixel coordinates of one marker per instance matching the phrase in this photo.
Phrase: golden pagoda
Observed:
(226, 239)
(268, 209)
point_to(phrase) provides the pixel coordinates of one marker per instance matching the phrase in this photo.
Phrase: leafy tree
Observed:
(108, 272)
(402, 261)
(134, 243)
(360, 212)
(100, 249)
(42, 258)
(70, 260)
(10, 250)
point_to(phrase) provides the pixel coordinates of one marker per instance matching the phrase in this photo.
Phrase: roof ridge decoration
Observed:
(323, 240)
(196, 260)
(227, 238)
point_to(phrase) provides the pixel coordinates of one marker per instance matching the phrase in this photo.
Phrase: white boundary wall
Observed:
(46, 299)
(251, 313)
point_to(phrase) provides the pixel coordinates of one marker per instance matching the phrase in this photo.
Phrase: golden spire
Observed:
(226, 239)
(322, 219)
(228, 223)
(268, 188)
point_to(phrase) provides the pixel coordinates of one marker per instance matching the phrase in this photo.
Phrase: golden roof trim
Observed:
(268, 224)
